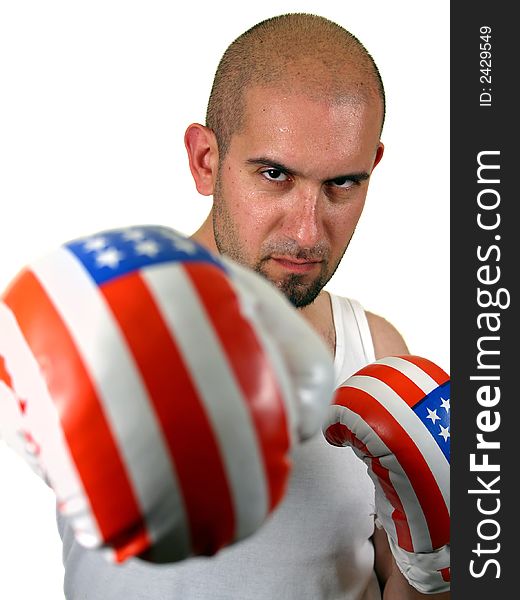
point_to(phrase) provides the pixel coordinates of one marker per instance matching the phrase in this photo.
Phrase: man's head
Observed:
(292, 135)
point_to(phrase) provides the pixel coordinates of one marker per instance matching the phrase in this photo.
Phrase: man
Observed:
(292, 137)
(288, 176)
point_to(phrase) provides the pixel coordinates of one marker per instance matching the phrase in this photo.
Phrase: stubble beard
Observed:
(295, 288)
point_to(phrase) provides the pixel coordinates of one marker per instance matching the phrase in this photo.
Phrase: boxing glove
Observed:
(394, 414)
(158, 389)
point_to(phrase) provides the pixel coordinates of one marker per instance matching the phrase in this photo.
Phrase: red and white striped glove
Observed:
(158, 390)
(394, 413)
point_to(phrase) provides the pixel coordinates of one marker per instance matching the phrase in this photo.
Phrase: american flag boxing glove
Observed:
(158, 390)
(394, 413)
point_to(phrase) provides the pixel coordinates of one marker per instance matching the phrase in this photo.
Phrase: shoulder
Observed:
(386, 338)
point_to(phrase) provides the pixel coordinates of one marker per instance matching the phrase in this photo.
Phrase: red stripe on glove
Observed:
(187, 431)
(409, 457)
(47, 336)
(240, 342)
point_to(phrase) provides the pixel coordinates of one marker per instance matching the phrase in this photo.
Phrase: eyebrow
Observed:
(266, 162)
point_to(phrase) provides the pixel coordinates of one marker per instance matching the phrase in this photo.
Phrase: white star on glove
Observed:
(110, 257)
(433, 416)
(444, 432)
(95, 243)
(134, 235)
(184, 246)
(147, 248)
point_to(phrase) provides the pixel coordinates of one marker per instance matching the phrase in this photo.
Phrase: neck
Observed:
(204, 235)
(319, 315)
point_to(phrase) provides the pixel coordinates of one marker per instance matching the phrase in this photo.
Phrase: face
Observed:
(292, 186)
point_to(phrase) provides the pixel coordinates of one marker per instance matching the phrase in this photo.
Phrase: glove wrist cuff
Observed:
(427, 572)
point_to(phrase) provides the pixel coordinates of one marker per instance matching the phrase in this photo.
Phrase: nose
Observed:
(303, 220)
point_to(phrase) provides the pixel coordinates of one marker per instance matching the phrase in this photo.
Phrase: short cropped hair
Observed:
(292, 51)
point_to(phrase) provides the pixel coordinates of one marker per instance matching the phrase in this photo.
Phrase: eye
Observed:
(275, 175)
(343, 182)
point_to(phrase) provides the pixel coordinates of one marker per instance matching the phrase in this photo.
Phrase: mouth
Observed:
(296, 265)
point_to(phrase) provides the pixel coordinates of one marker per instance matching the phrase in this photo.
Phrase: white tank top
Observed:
(315, 546)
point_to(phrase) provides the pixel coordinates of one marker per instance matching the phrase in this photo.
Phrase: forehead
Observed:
(308, 127)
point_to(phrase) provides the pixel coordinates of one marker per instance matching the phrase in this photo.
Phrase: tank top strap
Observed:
(354, 346)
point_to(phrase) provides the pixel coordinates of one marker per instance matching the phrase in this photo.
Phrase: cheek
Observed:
(341, 223)
(245, 217)
(254, 212)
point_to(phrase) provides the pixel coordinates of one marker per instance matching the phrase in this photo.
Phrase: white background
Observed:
(94, 101)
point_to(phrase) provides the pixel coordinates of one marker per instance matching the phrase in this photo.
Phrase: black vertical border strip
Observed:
(485, 524)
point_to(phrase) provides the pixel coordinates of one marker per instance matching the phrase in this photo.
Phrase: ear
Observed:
(379, 154)
(202, 148)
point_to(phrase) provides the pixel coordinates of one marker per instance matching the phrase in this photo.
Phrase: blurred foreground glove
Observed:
(158, 390)
(394, 413)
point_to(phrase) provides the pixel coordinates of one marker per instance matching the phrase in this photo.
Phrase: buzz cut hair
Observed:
(293, 52)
